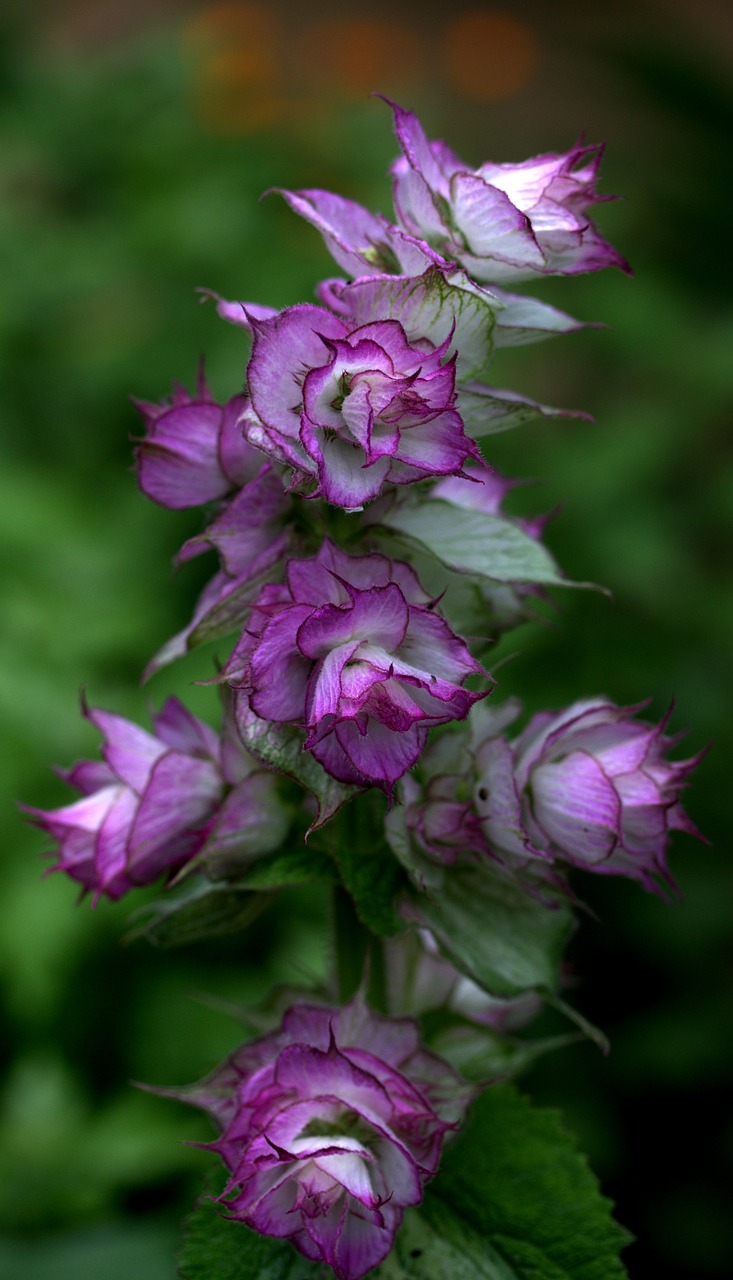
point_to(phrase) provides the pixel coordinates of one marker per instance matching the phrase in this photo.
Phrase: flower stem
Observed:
(352, 944)
(359, 955)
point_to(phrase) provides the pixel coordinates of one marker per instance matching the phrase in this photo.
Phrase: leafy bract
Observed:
(196, 909)
(492, 929)
(488, 410)
(199, 907)
(428, 306)
(289, 867)
(470, 541)
(280, 746)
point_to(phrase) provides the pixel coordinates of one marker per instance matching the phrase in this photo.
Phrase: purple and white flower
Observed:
(353, 407)
(588, 786)
(352, 649)
(158, 800)
(438, 820)
(194, 450)
(380, 257)
(330, 1128)
(361, 242)
(437, 829)
(502, 222)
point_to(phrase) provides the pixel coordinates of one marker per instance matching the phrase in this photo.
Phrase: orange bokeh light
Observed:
(235, 46)
(489, 55)
(231, 24)
(355, 56)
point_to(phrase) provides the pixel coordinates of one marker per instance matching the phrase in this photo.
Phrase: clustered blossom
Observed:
(330, 1128)
(353, 408)
(156, 801)
(331, 1125)
(352, 649)
(588, 786)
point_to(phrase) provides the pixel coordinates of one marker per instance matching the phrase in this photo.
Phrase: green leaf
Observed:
(492, 930)
(368, 868)
(476, 542)
(515, 1176)
(280, 747)
(197, 908)
(294, 866)
(434, 1243)
(488, 410)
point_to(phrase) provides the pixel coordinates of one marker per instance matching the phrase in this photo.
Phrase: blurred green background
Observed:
(136, 141)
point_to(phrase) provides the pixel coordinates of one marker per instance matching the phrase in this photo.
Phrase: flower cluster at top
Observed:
(365, 557)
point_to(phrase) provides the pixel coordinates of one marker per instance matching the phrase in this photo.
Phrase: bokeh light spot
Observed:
(235, 48)
(233, 23)
(489, 55)
(356, 56)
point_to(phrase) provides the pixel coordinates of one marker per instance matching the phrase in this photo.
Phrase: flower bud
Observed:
(589, 786)
(158, 800)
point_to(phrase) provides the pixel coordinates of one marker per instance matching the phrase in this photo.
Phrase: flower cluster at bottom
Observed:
(330, 1128)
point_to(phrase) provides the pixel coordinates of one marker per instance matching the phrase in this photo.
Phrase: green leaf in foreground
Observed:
(516, 1176)
(435, 1243)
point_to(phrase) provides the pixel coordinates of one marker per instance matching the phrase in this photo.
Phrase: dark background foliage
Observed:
(137, 139)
